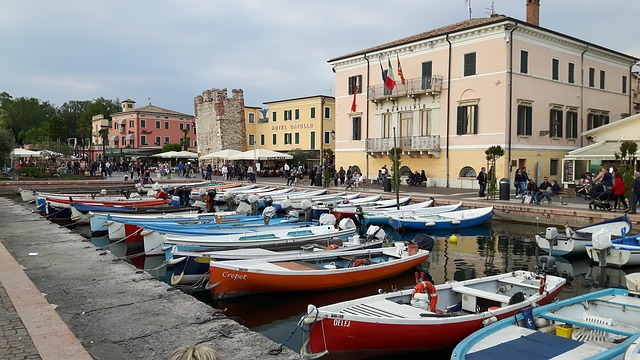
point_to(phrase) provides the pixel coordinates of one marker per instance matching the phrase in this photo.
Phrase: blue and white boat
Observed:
(598, 325)
(448, 220)
(574, 242)
(381, 216)
(623, 251)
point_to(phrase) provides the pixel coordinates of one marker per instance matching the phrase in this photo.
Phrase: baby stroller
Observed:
(600, 198)
(349, 184)
(583, 191)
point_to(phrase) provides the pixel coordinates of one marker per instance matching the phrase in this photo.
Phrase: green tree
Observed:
(185, 140)
(171, 147)
(327, 173)
(25, 113)
(7, 143)
(104, 135)
(299, 157)
(57, 128)
(394, 156)
(71, 111)
(493, 153)
(627, 157)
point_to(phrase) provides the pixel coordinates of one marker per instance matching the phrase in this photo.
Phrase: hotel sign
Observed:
(291, 127)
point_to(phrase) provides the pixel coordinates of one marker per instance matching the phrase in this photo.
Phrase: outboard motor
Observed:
(285, 205)
(551, 234)
(375, 232)
(346, 223)
(268, 201)
(243, 208)
(601, 241)
(292, 214)
(268, 213)
(424, 242)
(327, 219)
(546, 264)
(253, 201)
(306, 208)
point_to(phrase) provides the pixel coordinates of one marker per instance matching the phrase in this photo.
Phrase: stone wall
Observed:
(220, 121)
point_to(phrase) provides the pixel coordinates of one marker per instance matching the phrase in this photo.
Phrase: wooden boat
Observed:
(313, 272)
(574, 242)
(192, 266)
(28, 195)
(273, 238)
(80, 213)
(623, 251)
(381, 216)
(598, 325)
(448, 220)
(222, 197)
(318, 210)
(408, 321)
(99, 220)
(350, 211)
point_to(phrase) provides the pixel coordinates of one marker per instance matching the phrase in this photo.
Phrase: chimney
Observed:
(533, 12)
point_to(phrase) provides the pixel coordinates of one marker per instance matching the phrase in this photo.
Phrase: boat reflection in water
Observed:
(154, 265)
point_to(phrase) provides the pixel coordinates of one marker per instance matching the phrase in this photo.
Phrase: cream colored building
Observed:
(472, 85)
(305, 123)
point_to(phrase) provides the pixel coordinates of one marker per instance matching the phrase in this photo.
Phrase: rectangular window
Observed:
(572, 124)
(296, 114)
(555, 68)
(166, 125)
(312, 140)
(427, 75)
(553, 167)
(252, 140)
(467, 119)
(386, 125)
(115, 142)
(571, 79)
(555, 122)
(158, 125)
(287, 138)
(356, 128)
(274, 139)
(252, 118)
(524, 62)
(181, 126)
(596, 119)
(143, 124)
(124, 139)
(602, 79)
(592, 77)
(157, 142)
(296, 138)
(355, 82)
(525, 119)
(166, 140)
(263, 140)
(327, 137)
(131, 123)
(424, 122)
(624, 84)
(312, 113)
(405, 126)
(287, 115)
(273, 116)
(327, 113)
(188, 126)
(470, 64)
(115, 125)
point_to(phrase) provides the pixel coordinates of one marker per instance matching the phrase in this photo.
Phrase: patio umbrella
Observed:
(185, 155)
(23, 153)
(166, 155)
(222, 154)
(261, 154)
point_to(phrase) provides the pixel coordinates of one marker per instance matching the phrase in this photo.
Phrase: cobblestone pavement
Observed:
(15, 343)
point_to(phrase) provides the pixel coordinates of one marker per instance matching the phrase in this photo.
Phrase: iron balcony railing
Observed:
(411, 87)
(410, 143)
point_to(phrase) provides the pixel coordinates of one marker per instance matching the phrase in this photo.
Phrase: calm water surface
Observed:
(482, 251)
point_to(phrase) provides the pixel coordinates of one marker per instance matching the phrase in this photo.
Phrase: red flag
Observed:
(400, 70)
(353, 104)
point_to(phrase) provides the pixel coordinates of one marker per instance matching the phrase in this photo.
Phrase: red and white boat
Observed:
(409, 321)
(310, 272)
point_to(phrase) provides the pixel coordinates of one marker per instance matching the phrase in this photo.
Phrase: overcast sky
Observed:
(171, 51)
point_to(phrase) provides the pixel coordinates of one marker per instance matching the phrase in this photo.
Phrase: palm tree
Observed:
(104, 135)
(185, 140)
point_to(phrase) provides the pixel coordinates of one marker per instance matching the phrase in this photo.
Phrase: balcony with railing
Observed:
(412, 88)
(410, 145)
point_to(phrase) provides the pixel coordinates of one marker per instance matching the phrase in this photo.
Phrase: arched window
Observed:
(467, 171)
(405, 170)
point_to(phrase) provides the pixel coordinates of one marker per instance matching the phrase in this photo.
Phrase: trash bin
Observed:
(505, 188)
(387, 184)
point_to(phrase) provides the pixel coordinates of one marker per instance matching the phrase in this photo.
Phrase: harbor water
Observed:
(491, 249)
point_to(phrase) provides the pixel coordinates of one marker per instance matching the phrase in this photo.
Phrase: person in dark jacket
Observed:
(482, 182)
(635, 192)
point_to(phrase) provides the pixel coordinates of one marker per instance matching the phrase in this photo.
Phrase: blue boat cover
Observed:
(537, 346)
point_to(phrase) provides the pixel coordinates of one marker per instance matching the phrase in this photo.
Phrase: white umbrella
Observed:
(185, 155)
(22, 153)
(166, 155)
(222, 154)
(261, 154)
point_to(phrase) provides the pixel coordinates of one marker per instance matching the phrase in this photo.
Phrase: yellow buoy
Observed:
(453, 238)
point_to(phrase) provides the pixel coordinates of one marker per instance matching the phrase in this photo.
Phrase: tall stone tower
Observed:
(220, 121)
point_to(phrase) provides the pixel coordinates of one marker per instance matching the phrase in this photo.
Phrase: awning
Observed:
(129, 137)
(123, 121)
(603, 150)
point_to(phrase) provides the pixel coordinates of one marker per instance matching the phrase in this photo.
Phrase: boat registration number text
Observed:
(341, 323)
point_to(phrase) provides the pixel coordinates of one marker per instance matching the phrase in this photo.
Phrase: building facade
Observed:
(468, 86)
(143, 131)
(220, 121)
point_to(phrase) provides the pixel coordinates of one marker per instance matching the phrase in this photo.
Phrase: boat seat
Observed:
(531, 284)
(584, 323)
(298, 265)
(471, 295)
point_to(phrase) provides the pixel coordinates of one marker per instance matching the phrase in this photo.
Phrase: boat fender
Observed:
(489, 320)
(360, 262)
(332, 247)
(430, 289)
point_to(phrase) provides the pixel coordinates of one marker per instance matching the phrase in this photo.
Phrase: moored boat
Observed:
(623, 251)
(597, 325)
(447, 220)
(381, 216)
(408, 321)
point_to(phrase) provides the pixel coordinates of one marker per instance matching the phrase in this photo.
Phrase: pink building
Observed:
(143, 131)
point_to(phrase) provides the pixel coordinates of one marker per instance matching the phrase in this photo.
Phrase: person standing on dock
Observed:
(482, 181)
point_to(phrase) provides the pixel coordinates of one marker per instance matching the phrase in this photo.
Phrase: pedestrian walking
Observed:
(482, 182)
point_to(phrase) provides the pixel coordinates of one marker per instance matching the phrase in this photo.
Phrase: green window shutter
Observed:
(460, 121)
(475, 119)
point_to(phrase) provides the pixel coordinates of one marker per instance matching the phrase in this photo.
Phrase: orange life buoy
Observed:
(359, 262)
(332, 247)
(431, 290)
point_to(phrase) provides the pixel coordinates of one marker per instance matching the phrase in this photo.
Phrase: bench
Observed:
(584, 323)
(471, 295)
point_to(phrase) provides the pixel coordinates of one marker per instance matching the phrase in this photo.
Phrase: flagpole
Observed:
(396, 175)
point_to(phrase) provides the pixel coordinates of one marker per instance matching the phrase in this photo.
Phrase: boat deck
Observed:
(385, 309)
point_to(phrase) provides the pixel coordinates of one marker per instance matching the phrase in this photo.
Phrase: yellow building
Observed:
(306, 123)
